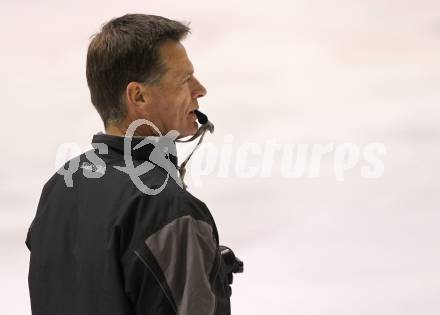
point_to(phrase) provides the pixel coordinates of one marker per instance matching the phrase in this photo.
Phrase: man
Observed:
(115, 232)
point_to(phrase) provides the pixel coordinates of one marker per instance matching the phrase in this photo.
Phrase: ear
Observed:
(137, 96)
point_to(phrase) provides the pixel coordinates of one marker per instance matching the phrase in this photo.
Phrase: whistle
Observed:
(206, 125)
(202, 118)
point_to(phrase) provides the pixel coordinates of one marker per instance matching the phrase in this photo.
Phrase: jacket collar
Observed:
(153, 148)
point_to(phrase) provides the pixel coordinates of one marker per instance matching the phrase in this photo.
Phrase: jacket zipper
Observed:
(215, 277)
(157, 279)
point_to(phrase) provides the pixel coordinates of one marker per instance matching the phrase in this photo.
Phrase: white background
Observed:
(308, 71)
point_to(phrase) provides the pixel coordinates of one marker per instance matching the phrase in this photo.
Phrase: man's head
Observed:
(137, 68)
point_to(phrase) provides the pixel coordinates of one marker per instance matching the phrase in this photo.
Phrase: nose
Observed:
(199, 89)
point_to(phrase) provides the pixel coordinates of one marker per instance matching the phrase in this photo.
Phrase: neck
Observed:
(114, 131)
(120, 130)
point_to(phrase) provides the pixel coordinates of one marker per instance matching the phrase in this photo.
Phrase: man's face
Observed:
(174, 99)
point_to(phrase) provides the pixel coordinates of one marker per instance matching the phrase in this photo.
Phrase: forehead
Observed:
(174, 56)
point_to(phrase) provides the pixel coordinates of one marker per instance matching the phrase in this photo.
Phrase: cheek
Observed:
(176, 106)
(183, 104)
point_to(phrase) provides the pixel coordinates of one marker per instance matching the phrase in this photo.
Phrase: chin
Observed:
(189, 131)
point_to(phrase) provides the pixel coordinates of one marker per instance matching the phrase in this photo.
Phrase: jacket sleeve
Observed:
(173, 269)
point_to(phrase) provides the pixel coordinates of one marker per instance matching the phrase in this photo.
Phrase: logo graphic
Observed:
(160, 156)
(93, 167)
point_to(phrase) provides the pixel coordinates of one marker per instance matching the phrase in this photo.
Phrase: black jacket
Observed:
(101, 246)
